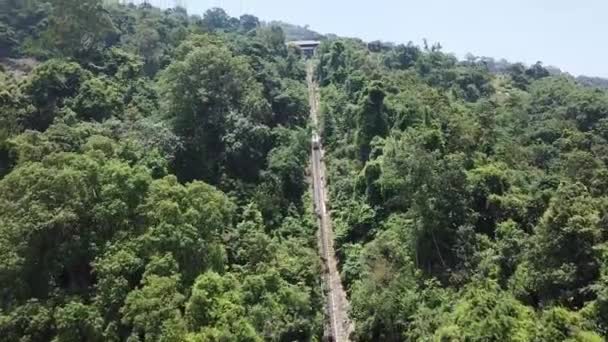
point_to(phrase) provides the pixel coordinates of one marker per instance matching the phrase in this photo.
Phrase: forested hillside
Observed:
(153, 184)
(295, 32)
(152, 177)
(468, 205)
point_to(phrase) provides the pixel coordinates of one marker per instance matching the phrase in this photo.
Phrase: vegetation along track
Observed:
(339, 325)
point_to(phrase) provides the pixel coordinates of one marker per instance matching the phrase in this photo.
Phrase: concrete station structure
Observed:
(308, 47)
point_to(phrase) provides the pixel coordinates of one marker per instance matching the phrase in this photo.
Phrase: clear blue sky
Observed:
(569, 34)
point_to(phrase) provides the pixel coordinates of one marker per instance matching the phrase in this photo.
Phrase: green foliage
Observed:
(248, 22)
(8, 40)
(153, 185)
(486, 314)
(371, 119)
(76, 322)
(198, 106)
(561, 256)
(21, 23)
(286, 161)
(77, 28)
(558, 324)
(153, 308)
(31, 320)
(97, 100)
(217, 19)
(113, 226)
(468, 200)
(48, 88)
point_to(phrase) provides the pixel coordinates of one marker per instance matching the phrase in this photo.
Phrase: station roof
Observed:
(305, 42)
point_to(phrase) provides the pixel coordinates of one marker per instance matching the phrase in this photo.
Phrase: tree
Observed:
(32, 320)
(211, 295)
(8, 40)
(518, 75)
(247, 145)
(198, 93)
(487, 184)
(559, 324)
(153, 309)
(249, 22)
(537, 71)
(461, 164)
(483, 313)
(286, 163)
(188, 222)
(332, 68)
(217, 19)
(98, 99)
(274, 39)
(48, 88)
(252, 248)
(403, 56)
(371, 119)
(561, 261)
(22, 22)
(77, 28)
(77, 322)
(149, 44)
(81, 202)
(99, 239)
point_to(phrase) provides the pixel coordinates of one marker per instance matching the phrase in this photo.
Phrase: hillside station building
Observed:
(308, 47)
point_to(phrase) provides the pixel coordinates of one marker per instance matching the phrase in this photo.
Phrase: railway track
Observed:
(339, 326)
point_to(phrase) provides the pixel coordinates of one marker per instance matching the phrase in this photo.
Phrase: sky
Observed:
(569, 34)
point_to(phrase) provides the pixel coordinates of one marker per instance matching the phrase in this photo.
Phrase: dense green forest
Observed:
(153, 184)
(468, 204)
(152, 169)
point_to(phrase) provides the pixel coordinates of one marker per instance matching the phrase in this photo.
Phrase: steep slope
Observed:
(337, 304)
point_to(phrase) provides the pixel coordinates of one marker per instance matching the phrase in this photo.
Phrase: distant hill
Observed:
(598, 82)
(502, 66)
(295, 32)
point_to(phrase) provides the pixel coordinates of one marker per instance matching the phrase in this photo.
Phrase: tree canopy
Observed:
(467, 199)
(152, 178)
(154, 184)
